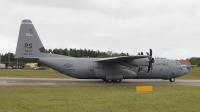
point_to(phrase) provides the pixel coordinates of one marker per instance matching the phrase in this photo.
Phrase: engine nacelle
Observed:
(139, 62)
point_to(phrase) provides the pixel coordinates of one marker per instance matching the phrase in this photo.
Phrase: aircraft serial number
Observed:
(28, 45)
(28, 53)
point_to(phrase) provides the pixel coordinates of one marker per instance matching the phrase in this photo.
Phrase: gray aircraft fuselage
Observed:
(29, 46)
(88, 68)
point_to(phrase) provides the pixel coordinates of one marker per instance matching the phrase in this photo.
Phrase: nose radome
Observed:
(185, 71)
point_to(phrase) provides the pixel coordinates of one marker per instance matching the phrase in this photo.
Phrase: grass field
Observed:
(31, 73)
(96, 98)
(193, 73)
(99, 98)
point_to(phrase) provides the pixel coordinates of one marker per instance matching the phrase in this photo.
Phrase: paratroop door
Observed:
(91, 71)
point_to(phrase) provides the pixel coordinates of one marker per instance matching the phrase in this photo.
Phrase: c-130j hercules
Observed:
(113, 69)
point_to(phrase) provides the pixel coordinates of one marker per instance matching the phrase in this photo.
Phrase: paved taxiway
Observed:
(9, 81)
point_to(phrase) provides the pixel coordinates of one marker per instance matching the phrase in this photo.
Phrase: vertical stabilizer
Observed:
(29, 44)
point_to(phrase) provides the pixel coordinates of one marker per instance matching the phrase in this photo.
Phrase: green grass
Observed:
(31, 73)
(95, 98)
(194, 73)
(99, 98)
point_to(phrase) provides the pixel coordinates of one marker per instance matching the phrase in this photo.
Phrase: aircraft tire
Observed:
(117, 81)
(109, 81)
(172, 79)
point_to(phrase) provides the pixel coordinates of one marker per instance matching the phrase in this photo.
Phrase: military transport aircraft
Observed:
(113, 69)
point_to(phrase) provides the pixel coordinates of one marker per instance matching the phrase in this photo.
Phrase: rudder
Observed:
(29, 44)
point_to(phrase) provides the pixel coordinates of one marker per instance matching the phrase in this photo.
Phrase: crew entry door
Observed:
(91, 71)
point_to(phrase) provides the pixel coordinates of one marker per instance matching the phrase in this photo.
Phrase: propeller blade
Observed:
(141, 53)
(150, 52)
(148, 68)
(147, 53)
(139, 69)
(138, 53)
(152, 60)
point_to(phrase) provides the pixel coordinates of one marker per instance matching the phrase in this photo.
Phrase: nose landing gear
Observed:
(171, 79)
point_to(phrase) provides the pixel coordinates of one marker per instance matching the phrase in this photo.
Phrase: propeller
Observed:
(151, 61)
(139, 69)
(140, 53)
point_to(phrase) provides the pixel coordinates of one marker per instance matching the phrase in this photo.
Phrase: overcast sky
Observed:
(171, 28)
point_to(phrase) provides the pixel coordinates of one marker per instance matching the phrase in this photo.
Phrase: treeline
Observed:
(195, 61)
(85, 53)
(8, 57)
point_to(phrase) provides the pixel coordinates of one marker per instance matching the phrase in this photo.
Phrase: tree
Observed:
(195, 61)
(49, 51)
(66, 52)
(8, 57)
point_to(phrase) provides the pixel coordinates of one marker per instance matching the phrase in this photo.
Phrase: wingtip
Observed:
(26, 21)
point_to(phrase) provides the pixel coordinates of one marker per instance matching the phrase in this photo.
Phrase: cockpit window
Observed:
(178, 63)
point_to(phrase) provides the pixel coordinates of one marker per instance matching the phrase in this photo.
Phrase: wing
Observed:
(128, 61)
(122, 58)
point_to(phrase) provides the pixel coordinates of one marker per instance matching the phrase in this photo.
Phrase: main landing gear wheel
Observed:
(172, 79)
(109, 81)
(117, 81)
